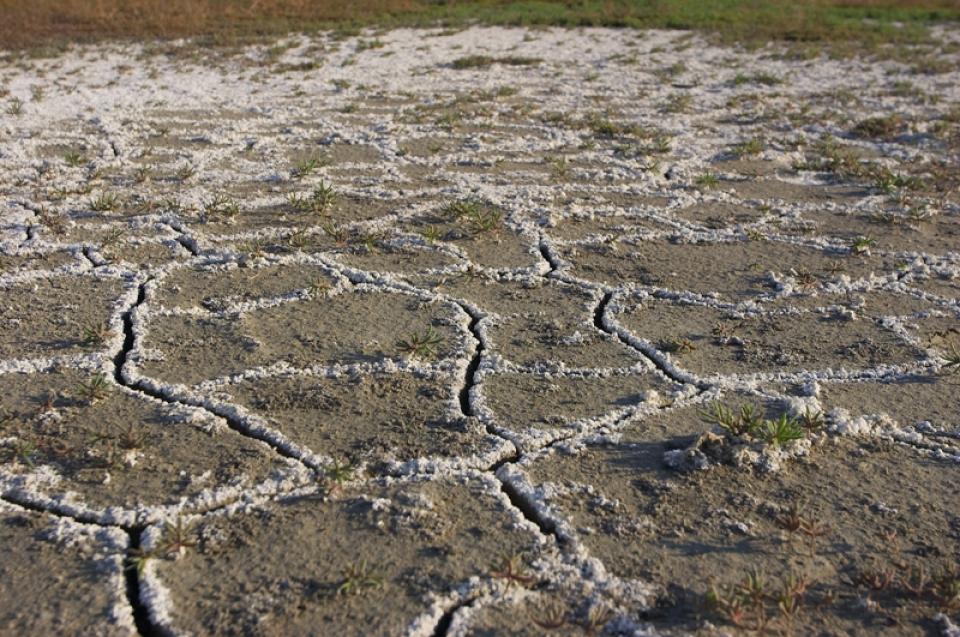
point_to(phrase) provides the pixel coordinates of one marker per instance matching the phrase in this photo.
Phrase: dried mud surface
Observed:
(360, 335)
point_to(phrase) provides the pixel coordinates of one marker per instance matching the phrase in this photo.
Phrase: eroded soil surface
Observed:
(487, 332)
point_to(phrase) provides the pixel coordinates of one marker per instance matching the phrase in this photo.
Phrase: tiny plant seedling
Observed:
(96, 333)
(185, 172)
(708, 180)
(253, 249)
(432, 234)
(132, 437)
(306, 167)
(745, 422)
(679, 346)
(221, 207)
(597, 617)
(339, 234)
(318, 287)
(560, 167)
(861, 245)
(782, 430)
(423, 344)
(812, 420)
(748, 148)
(723, 332)
(805, 279)
(512, 570)
(137, 560)
(177, 537)
(6, 417)
(15, 106)
(24, 451)
(369, 240)
(479, 216)
(141, 174)
(323, 197)
(94, 389)
(485, 220)
(753, 604)
(319, 201)
(951, 361)
(748, 422)
(74, 158)
(105, 202)
(678, 103)
(551, 617)
(298, 238)
(358, 577)
(464, 208)
(338, 473)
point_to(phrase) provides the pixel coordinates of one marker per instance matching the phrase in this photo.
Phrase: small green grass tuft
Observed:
(812, 420)
(748, 422)
(141, 174)
(185, 172)
(765, 79)
(748, 148)
(884, 127)
(889, 182)
(951, 361)
(308, 166)
(24, 452)
(338, 234)
(432, 234)
(298, 238)
(221, 208)
(338, 473)
(423, 345)
(485, 220)
(94, 389)
(318, 201)
(861, 245)
(15, 106)
(480, 217)
(105, 202)
(74, 158)
(485, 61)
(137, 560)
(177, 537)
(253, 249)
(96, 333)
(679, 103)
(463, 208)
(707, 181)
(781, 431)
(830, 156)
(602, 126)
(318, 287)
(359, 577)
(743, 422)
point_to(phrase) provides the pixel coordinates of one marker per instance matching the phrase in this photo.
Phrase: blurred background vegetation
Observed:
(836, 25)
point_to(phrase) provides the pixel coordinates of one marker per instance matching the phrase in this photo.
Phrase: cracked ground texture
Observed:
(417, 333)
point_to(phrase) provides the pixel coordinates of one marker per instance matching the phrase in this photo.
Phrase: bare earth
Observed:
(368, 336)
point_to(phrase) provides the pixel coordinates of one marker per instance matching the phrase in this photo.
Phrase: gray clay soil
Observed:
(643, 336)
